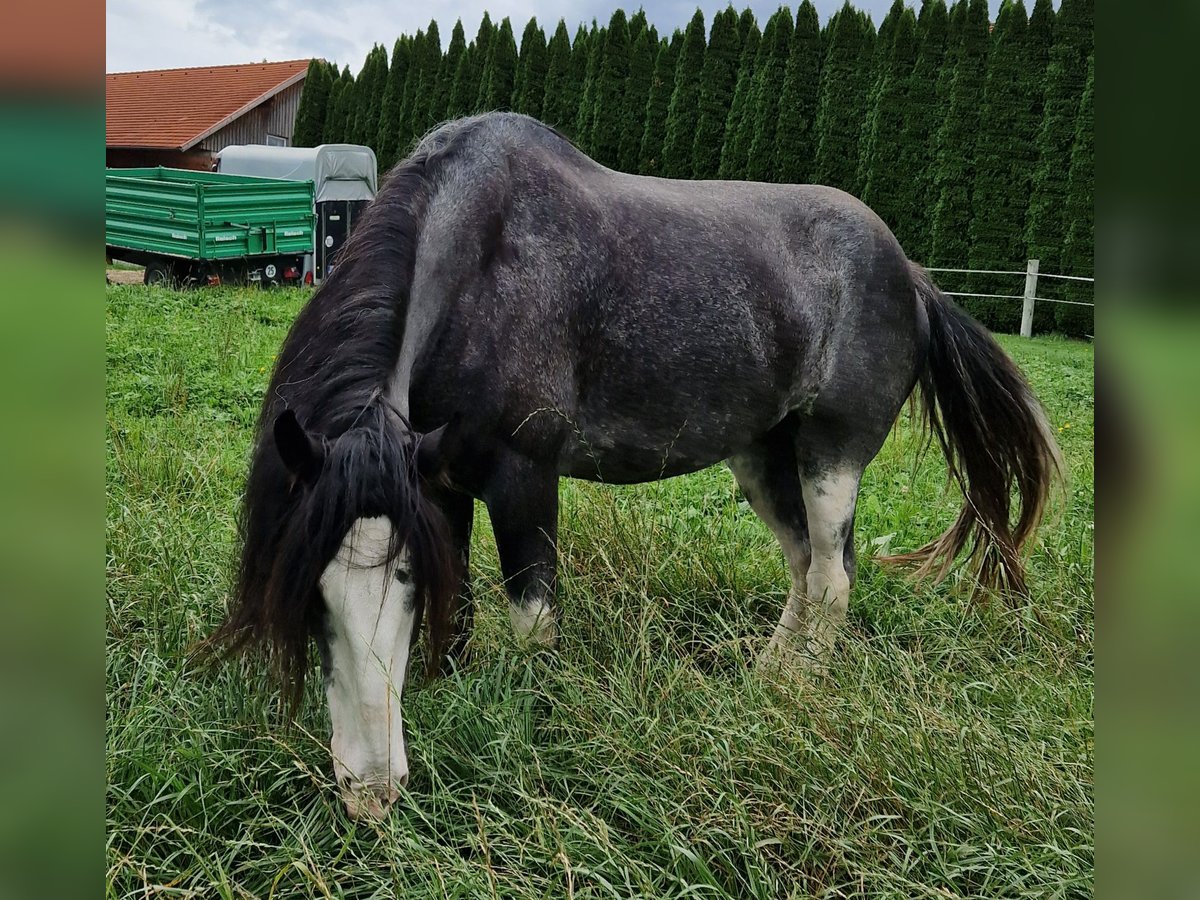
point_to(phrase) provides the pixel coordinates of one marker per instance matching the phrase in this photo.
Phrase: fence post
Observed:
(1031, 274)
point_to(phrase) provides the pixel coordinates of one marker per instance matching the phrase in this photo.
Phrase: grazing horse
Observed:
(509, 312)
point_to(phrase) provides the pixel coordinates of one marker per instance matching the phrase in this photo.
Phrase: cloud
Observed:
(154, 34)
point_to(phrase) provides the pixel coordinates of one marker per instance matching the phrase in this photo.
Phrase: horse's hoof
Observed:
(789, 657)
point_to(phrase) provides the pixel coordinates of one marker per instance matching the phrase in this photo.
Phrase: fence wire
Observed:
(1014, 273)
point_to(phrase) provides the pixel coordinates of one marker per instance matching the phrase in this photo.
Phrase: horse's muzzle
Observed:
(370, 801)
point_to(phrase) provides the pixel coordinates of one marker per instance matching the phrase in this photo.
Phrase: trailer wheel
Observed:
(159, 273)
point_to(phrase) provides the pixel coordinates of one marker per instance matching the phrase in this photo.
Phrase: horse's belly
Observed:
(629, 467)
(635, 452)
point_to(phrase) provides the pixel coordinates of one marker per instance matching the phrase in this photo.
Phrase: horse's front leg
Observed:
(459, 512)
(522, 501)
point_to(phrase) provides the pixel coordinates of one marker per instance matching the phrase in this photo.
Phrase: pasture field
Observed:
(948, 753)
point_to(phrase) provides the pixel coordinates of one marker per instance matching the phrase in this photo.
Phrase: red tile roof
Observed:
(177, 108)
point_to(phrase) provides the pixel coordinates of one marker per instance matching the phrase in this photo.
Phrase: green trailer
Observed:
(189, 227)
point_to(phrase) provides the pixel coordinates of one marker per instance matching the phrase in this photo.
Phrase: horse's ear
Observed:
(435, 449)
(300, 453)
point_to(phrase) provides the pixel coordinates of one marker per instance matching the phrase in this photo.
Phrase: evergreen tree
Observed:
(379, 88)
(914, 162)
(425, 113)
(1079, 248)
(410, 102)
(501, 71)
(1040, 42)
(609, 101)
(717, 81)
(370, 83)
(684, 112)
(364, 84)
(954, 44)
(483, 52)
(637, 94)
(337, 124)
(447, 72)
(768, 79)
(389, 116)
(329, 130)
(464, 86)
(557, 98)
(637, 24)
(585, 115)
(735, 154)
(531, 71)
(881, 56)
(955, 169)
(1038, 46)
(870, 43)
(841, 105)
(1066, 76)
(573, 95)
(745, 24)
(880, 62)
(883, 188)
(349, 106)
(314, 101)
(654, 126)
(794, 144)
(1003, 159)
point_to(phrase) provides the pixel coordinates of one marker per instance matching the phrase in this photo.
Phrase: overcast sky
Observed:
(159, 34)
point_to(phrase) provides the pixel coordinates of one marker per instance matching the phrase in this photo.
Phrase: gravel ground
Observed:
(124, 276)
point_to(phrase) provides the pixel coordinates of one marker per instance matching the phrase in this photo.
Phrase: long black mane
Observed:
(332, 373)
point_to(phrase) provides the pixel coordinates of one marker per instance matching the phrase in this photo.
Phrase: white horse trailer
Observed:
(344, 177)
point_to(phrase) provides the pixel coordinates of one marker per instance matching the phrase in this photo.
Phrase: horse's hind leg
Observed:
(769, 477)
(830, 495)
(832, 453)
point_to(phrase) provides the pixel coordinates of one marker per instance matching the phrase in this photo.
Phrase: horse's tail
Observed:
(995, 436)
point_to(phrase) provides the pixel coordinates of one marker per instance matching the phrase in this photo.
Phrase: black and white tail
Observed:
(997, 442)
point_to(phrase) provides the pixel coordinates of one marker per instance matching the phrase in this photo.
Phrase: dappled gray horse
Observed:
(508, 312)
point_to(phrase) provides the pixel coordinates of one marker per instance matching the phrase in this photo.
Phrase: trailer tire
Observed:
(159, 273)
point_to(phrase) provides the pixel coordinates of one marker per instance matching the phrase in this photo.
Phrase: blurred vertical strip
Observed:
(51, 476)
(1148, 615)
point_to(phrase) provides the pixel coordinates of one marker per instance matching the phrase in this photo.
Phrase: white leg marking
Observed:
(533, 622)
(830, 503)
(789, 632)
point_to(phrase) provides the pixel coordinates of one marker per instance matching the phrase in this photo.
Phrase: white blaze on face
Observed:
(371, 610)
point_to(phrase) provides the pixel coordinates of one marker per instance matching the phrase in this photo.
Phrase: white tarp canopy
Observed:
(337, 171)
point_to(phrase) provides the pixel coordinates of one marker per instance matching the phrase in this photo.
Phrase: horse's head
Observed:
(342, 546)
(371, 618)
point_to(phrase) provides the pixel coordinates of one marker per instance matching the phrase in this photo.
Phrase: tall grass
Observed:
(948, 753)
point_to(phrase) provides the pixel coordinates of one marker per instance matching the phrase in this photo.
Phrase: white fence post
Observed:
(1031, 275)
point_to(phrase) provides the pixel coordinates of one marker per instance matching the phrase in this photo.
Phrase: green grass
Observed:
(949, 752)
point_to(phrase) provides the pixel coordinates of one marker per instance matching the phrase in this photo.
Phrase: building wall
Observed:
(138, 158)
(277, 117)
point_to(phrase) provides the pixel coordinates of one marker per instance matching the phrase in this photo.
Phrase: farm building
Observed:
(184, 117)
